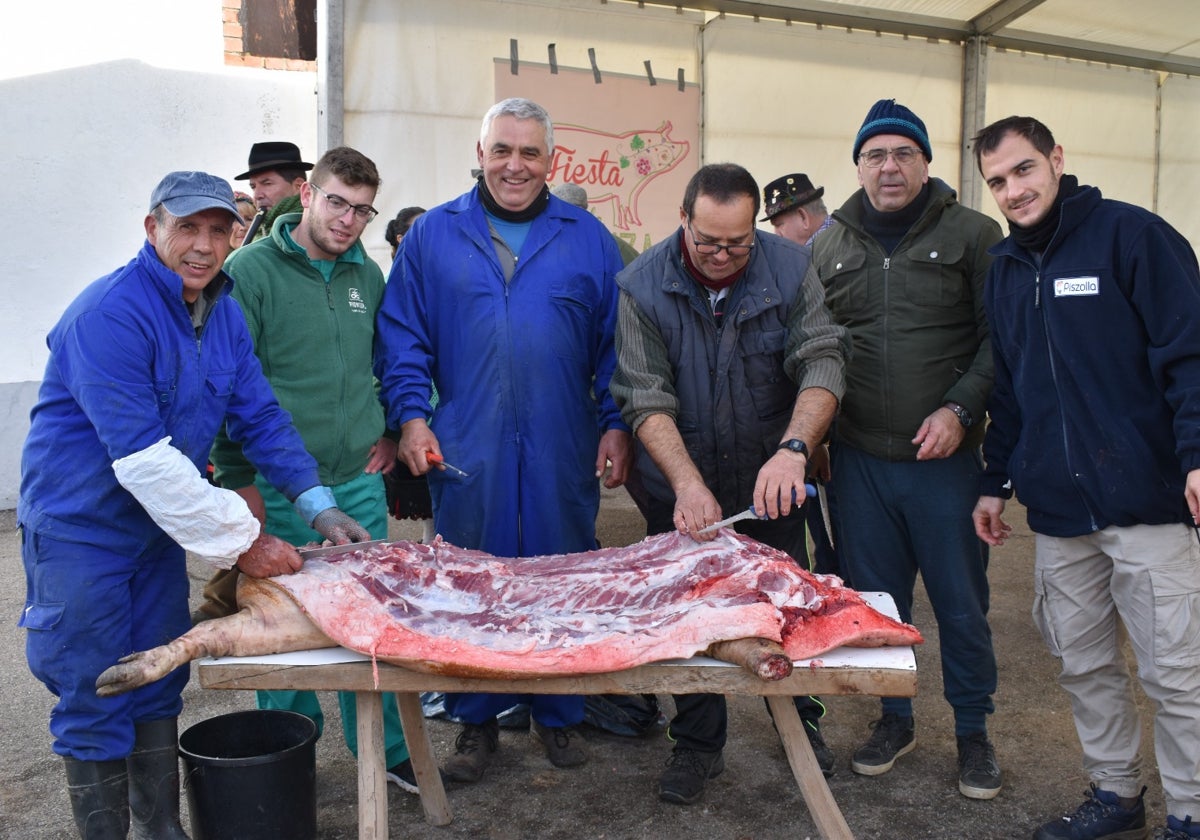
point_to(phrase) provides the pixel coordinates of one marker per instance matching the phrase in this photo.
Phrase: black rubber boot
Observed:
(154, 781)
(99, 798)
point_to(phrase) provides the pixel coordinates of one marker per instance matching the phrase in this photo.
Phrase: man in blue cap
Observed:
(903, 270)
(145, 365)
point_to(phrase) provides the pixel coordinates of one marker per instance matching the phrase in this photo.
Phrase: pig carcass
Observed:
(442, 609)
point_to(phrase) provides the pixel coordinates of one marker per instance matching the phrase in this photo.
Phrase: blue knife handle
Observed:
(810, 491)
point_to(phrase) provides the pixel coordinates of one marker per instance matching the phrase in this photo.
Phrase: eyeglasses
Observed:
(710, 249)
(339, 205)
(876, 157)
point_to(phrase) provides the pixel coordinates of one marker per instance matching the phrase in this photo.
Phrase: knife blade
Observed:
(809, 490)
(434, 458)
(327, 550)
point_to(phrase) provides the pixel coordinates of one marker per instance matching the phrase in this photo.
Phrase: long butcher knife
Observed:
(809, 490)
(327, 550)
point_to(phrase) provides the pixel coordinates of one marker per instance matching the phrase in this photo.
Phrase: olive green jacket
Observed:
(916, 320)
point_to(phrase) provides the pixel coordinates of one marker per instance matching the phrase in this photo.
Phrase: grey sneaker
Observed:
(1100, 817)
(978, 773)
(892, 738)
(564, 744)
(682, 783)
(473, 750)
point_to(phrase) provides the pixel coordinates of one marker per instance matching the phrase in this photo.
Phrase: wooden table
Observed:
(875, 671)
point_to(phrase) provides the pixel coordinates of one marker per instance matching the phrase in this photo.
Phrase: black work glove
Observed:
(339, 528)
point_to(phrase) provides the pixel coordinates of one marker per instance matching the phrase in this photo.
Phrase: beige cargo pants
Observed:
(1149, 577)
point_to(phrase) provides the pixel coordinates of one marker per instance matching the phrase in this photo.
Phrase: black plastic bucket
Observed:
(252, 776)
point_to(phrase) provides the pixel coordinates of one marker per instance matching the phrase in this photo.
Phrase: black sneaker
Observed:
(403, 777)
(820, 749)
(892, 738)
(473, 750)
(1178, 830)
(978, 773)
(682, 783)
(564, 744)
(1100, 817)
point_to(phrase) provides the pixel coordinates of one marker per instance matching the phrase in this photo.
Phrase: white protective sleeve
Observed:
(213, 523)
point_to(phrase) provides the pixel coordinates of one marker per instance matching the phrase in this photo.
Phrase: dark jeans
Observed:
(701, 720)
(898, 518)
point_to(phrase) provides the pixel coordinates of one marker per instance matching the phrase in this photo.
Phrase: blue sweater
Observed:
(1096, 407)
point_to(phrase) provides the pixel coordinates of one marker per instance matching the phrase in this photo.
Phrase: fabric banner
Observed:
(631, 145)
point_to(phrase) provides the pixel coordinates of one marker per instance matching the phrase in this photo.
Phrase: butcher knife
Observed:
(327, 550)
(809, 490)
(434, 458)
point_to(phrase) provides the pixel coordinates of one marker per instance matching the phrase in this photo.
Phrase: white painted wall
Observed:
(99, 101)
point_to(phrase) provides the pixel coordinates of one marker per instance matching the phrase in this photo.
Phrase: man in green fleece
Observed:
(310, 293)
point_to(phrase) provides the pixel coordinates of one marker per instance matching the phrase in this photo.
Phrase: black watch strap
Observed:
(962, 413)
(795, 445)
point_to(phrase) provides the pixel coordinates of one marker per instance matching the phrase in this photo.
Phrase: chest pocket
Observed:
(846, 284)
(940, 276)
(769, 388)
(568, 334)
(219, 384)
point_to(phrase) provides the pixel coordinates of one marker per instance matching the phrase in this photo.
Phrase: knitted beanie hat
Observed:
(886, 117)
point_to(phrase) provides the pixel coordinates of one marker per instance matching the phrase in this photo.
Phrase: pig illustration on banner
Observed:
(615, 168)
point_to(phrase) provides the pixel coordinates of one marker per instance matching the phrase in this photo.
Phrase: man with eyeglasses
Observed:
(729, 370)
(504, 298)
(903, 270)
(310, 294)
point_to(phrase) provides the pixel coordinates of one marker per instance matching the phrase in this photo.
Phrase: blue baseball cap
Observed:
(185, 193)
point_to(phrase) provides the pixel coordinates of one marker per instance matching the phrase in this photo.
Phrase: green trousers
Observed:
(362, 498)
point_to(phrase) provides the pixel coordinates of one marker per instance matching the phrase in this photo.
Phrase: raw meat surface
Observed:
(442, 609)
(448, 610)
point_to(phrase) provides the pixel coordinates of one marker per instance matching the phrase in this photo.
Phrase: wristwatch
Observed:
(962, 413)
(795, 445)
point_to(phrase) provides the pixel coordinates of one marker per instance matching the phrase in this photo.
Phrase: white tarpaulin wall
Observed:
(419, 77)
(776, 98)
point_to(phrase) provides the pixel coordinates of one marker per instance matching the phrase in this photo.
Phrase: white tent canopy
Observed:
(786, 84)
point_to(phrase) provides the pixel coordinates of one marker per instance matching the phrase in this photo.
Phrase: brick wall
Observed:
(235, 44)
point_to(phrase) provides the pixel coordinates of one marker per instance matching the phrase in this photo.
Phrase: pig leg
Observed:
(269, 622)
(761, 657)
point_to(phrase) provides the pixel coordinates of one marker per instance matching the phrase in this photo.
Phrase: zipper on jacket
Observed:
(1066, 436)
(885, 346)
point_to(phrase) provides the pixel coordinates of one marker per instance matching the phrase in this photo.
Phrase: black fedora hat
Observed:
(273, 154)
(789, 191)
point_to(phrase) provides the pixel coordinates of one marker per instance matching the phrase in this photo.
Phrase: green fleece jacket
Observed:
(916, 321)
(315, 340)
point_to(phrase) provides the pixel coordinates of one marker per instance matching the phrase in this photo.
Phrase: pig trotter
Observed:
(761, 657)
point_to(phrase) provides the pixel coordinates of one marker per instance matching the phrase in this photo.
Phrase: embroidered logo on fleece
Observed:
(1076, 286)
(356, 302)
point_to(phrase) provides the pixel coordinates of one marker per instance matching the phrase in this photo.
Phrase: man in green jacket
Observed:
(903, 270)
(310, 293)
